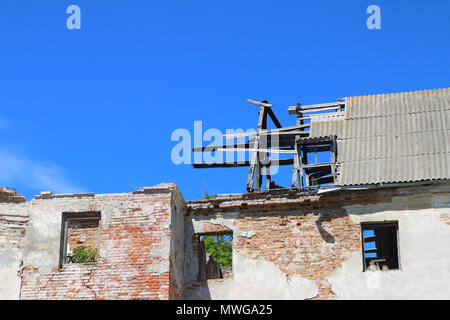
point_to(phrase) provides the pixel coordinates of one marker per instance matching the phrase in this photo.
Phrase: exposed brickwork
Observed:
(12, 232)
(213, 229)
(311, 244)
(128, 241)
(83, 233)
(10, 196)
(303, 233)
(143, 248)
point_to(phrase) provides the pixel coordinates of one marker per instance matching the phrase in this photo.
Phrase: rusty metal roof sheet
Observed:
(391, 137)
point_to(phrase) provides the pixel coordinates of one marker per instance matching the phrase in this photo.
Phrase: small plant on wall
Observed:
(82, 255)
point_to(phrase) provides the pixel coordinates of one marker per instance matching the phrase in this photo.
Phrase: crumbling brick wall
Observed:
(134, 248)
(83, 233)
(311, 237)
(12, 232)
(294, 242)
(13, 226)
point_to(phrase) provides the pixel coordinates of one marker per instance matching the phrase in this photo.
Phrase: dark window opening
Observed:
(215, 255)
(380, 246)
(317, 161)
(80, 238)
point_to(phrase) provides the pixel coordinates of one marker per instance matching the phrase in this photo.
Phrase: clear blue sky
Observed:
(93, 109)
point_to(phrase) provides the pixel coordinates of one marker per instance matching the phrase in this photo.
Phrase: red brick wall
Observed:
(298, 247)
(83, 233)
(121, 272)
(12, 232)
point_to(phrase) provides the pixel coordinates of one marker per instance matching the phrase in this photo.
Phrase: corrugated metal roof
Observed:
(391, 137)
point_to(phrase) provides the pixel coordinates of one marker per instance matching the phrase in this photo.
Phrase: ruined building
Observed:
(372, 221)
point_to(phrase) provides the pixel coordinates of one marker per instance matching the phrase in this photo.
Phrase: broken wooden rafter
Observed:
(261, 104)
(300, 108)
(294, 130)
(278, 151)
(246, 163)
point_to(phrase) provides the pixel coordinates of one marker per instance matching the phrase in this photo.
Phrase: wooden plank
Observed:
(369, 239)
(277, 151)
(319, 149)
(255, 157)
(224, 146)
(264, 132)
(246, 163)
(283, 141)
(268, 177)
(220, 165)
(319, 173)
(261, 104)
(333, 159)
(295, 109)
(319, 110)
(323, 180)
(295, 169)
(258, 168)
(317, 165)
(274, 118)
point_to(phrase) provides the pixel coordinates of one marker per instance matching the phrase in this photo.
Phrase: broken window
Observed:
(80, 238)
(380, 246)
(214, 254)
(315, 162)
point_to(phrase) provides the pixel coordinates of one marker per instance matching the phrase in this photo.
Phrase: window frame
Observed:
(66, 217)
(377, 224)
(197, 238)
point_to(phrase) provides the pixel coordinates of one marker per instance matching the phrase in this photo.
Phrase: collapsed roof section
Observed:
(388, 138)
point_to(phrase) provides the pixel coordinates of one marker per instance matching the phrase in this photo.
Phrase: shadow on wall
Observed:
(196, 286)
(326, 236)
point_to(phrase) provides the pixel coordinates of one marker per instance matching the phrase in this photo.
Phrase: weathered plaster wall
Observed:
(13, 221)
(177, 246)
(286, 245)
(300, 246)
(134, 247)
(424, 240)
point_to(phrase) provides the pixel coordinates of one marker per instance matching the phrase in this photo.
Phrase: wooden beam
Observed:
(224, 146)
(245, 163)
(277, 151)
(323, 180)
(220, 165)
(265, 132)
(319, 109)
(317, 165)
(274, 118)
(261, 104)
(295, 109)
(296, 169)
(254, 164)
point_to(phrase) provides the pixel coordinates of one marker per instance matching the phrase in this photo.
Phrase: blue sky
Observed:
(94, 109)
